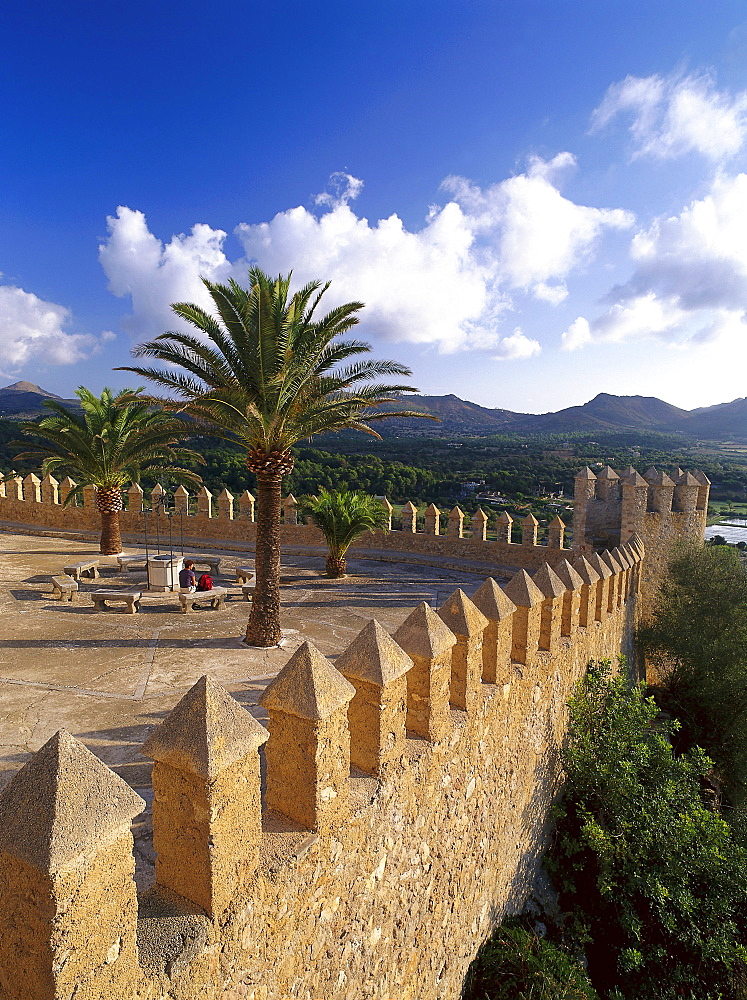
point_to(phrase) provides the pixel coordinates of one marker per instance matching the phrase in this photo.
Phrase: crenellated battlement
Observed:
(205, 518)
(404, 805)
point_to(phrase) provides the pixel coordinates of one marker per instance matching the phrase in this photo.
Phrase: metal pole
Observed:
(171, 548)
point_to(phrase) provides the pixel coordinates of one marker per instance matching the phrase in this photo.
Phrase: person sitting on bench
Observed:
(187, 578)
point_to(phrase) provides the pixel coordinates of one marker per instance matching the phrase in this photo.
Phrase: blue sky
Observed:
(537, 201)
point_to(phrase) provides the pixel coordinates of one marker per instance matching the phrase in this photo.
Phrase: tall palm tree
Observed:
(342, 516)
(111, 443)
(265, 372)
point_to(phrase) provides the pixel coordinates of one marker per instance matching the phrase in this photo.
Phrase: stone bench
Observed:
(244, 574)
(131, 562)
(102, 598)
(247, 589)
(64, 588)
(211, 562)
(214, 597)
(89, 567)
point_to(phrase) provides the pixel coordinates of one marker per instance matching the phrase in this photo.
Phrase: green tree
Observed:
(266, 373)
(696, 640)
(655, 880)
(342, 516)
(111, 443)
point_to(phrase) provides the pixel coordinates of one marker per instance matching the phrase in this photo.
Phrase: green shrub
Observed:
(655, 881)
(517, 965)
(697, 640)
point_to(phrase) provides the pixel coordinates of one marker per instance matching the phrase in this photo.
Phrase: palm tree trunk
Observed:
(111, 540)
(263, 628)
(336, 566)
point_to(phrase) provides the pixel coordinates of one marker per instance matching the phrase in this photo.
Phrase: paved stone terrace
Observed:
(110, 677)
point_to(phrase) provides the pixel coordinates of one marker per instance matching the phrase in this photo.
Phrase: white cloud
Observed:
(690, 277)
(677, 114)
(516, 347)
(449, 283)
(32, 330)
(137, 264)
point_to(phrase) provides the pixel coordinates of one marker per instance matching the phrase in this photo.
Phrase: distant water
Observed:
(728, 531)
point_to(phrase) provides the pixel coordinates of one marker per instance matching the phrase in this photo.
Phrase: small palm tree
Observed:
(112, 443)
(342, 516)
(266, 372)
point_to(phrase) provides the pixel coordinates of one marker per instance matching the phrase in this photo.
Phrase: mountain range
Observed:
(724, 421)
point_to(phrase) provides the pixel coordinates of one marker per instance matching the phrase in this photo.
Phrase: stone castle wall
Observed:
(367, 841)
(403, 811)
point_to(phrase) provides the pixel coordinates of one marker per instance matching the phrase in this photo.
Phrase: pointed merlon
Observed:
(609, 560)
(634, 479)
(410, 506)
(622, 557)
(701, 477)
(637, 542)
(461, 615)
(585, 473)
(608, 473)
(530, 521)
(630, 471)
(205, 733)
(433, 510)
(492, 601)
(557, 522)
(505, 518)
(423, 634)
(651, 473)
(655, 478)
(373, 656)
(62, 804)
(678, 474)
(456, 514)
(600, 566)
(568, 575)
(548, 581)
(687, 479)
(480, 517)
(586, 571)
(523, 591)
(308, 686)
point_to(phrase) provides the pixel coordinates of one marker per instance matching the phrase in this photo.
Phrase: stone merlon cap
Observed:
(62, 804)
(687, 479)
(505, 518)
(308, 686)
(701, 477)
(432, 509)
(585, 473)
(530, 520)
(600, 566)
(423, 634)
(586, 571)
(548, 581)
(492, 601)
(634, 479)
(523, 591)
(607, 558)
(608, 473)
(410, 506)
(568, 575)
(479, 515)
(462, 616)
(622, 557)
(205, 733)
(373, 656)
(637, 542)
(456, 513)
(655, 478)
(557, 522)
(629, 471)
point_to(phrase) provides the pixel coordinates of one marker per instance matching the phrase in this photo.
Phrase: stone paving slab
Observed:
(110, 678)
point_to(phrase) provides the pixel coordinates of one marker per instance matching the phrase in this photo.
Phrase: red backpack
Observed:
(205, 582)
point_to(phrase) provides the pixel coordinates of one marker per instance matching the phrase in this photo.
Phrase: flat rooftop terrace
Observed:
(110, 677)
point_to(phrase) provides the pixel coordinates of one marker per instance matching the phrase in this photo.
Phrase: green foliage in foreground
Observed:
(517, 965)
(697, 639)
(655, 882)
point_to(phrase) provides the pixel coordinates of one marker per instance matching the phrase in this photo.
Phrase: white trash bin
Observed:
(163, 572)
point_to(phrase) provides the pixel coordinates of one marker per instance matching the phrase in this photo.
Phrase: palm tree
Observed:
(265, 372)
(342, 516)
(112, 443)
